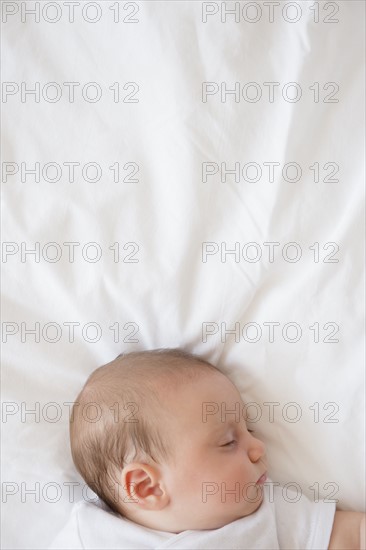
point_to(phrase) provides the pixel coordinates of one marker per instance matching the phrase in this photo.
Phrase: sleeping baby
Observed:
(160, 437)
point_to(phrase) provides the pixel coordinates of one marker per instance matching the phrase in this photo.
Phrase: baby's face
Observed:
(213, 480)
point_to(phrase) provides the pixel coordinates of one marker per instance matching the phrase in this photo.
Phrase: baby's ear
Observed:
(143, 487)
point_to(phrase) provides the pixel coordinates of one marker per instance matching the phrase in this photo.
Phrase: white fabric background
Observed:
(170, 292)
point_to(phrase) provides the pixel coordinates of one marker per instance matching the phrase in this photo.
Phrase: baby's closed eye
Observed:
(233, 441)
(229, 443)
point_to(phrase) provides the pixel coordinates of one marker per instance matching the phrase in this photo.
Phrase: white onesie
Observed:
(286, 519)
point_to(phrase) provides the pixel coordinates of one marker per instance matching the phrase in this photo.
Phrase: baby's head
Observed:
(160, 437)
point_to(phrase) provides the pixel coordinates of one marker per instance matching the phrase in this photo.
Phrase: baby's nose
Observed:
(256, 450)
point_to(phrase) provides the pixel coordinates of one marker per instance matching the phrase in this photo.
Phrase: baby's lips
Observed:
(262, 479)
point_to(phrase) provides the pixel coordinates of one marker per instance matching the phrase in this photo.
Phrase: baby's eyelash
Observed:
(229, 443)
(251, 431)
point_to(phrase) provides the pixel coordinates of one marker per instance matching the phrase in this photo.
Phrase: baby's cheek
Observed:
(187, 485)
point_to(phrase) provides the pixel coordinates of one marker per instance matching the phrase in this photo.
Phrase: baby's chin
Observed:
(245, 512)
(254, 506)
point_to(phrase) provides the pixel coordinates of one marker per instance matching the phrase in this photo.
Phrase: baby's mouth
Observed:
(262, 479)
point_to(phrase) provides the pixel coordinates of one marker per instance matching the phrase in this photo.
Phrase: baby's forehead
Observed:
(198, 394)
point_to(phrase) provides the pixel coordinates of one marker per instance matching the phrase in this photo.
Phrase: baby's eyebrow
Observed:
(222, 427)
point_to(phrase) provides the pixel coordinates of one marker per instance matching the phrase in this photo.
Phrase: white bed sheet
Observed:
(181, 292)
